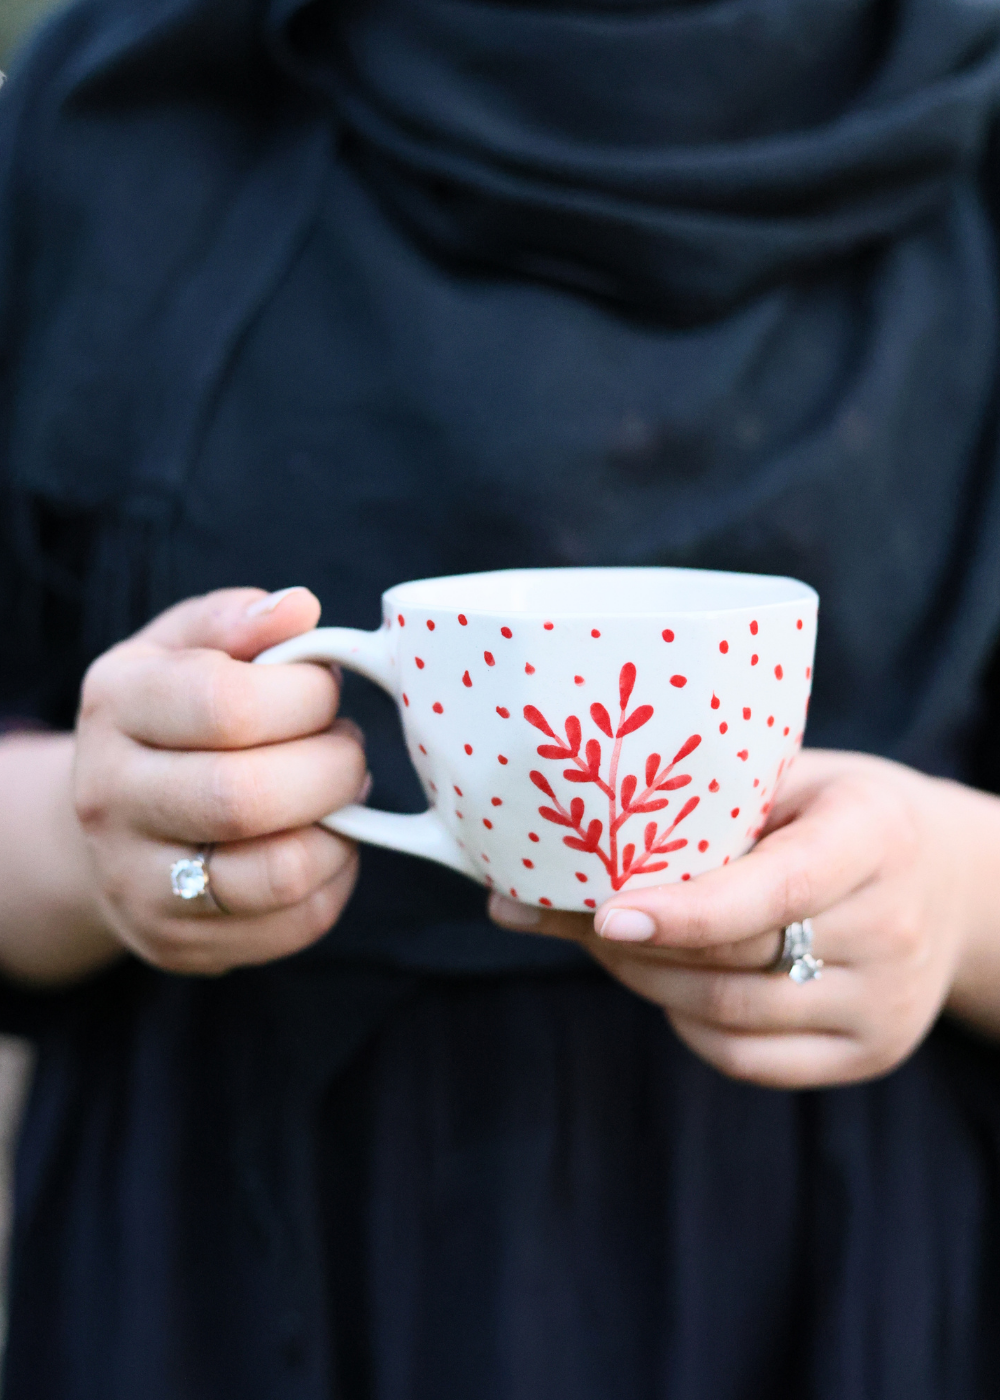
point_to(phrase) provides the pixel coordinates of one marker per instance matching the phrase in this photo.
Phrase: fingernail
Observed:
(512, 914)
(273, 600)
(627, 925)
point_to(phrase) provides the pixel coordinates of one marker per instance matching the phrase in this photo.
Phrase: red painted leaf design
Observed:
(672, 784)
(687, 809)
(628, 855)
(575, 844)
(573, 734)
(649, 835)
(554, 751)
(635, 721)
(541, 781)
(671, 846)
(551, 816)
(575, 775)
(535, 717)
(687, 747)
(576, 810)
(593, 757)
(655, 806)
(652, 768)
(628, 790)
(601, 718)
(594, 833)
(656, 865)
(626, 680)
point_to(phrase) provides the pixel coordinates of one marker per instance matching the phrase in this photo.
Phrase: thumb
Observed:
(239, 621)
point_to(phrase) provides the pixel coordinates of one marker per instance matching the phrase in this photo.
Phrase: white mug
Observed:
(583, 731)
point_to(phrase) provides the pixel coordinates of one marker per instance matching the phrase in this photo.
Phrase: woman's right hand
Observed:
(182, 744)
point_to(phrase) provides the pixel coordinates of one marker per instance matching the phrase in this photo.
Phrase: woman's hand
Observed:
(898, 873)
(181, 744)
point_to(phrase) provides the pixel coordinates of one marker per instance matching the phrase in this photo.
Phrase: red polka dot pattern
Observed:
(489, 658)
(667, 634)
(723, 727)
(528, 864)
(430, 625)
(419, 661)
(437, 707)
(779, 673)
(590, 903)
(594, 632)
(467, 680)
(401, 619)
(754, 659)
(714, 785)
(703, 846)
(497, 801)
(506, 632)
(503, 712)
(529, 670)
(723, 647)
(501, 759)
(753, 629)
(463, 620)
(679, 682)
(468, 748)
(716, 702)
(746, 711)
(546, 902)
(548, 626)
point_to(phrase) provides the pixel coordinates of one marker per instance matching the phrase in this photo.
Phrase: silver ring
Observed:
(796, 957)
(190, 879)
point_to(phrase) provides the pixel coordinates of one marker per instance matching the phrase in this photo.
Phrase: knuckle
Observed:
(726, 1000)
(236, 800)
(797, 890)
(289, 872)
(226, 702)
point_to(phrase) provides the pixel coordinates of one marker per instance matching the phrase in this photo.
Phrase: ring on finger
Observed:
(190, 878)
(796, 955)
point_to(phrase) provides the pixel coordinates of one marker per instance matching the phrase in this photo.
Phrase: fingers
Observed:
(795, 1061)
(269, 873)
(240, 621)
(206, 700)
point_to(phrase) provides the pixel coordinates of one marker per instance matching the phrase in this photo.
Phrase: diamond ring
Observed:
(796, 957)
(189, 878)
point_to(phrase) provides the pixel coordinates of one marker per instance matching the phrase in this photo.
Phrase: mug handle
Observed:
(370, 655)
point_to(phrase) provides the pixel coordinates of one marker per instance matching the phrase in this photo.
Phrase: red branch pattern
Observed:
(620, 867)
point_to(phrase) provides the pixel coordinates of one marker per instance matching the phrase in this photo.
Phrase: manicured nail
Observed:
(273, 600)
(511, 914)
(627, 926)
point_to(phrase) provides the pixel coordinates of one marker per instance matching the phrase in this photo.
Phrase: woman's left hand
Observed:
(897, 872)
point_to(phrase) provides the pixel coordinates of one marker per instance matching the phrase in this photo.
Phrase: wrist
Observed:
(974, 819)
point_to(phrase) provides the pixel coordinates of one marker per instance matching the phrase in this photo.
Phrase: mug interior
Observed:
(600, 592)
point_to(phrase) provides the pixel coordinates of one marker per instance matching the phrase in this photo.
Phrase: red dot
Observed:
(580, 876)
(422, 749)
(458, 790)
(753, 629)
(487, 823)
(501, 759)
(528, 864)
(703, 845)
(754, 659)
(489, 658)
(503, 712)
(726, 861)
(432, 786)
(486, 858)
(463, 620)
(679, 681)
(735, 812)
(488, 878)
(667, 634)
(785, 730)
(546, 902)
(497, 801)
(430, 625)
(467, 680)
(594, 632)
(420, 664)
(746, 711)
(809, 671)
(468, 748)
(460, 815)
(744, 754)
(506, 632)
(402, 620)
(529, 670)
(548, 626)
(799, 624)
(716, 702)
(590, 903)
(533, 837)
(756, 782)
(714, 785)
(685, 876)
(723, 647)
(770, 721)
(513, 893)
(406, 701)
(578, 680)
(723, 727)
(779, 672)
(437, 707)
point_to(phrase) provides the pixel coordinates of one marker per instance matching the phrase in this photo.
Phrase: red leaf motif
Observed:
(551, 816)
(573, 734)
(575, 844)
(656, 806)
(593, 757)
(626, 680)
(670, 846)
(652, 768)
(687, 809)
(628, 790)
(672, 784)
(541, 781)
(535, 717)
(635, 721)
(576, 810)
(657, 865)
(554, 751)
(687, 747)
(627, 856)
(594, 833)
(574, 775)
(649, 835)
(600, 717)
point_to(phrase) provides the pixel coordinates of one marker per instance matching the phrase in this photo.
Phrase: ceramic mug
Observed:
(582, 731)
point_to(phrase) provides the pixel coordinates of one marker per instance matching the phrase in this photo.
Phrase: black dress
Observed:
(349, 294)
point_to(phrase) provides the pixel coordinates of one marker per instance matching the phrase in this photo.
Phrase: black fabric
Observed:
(347, 294)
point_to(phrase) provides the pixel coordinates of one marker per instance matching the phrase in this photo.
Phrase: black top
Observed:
(344, 295)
